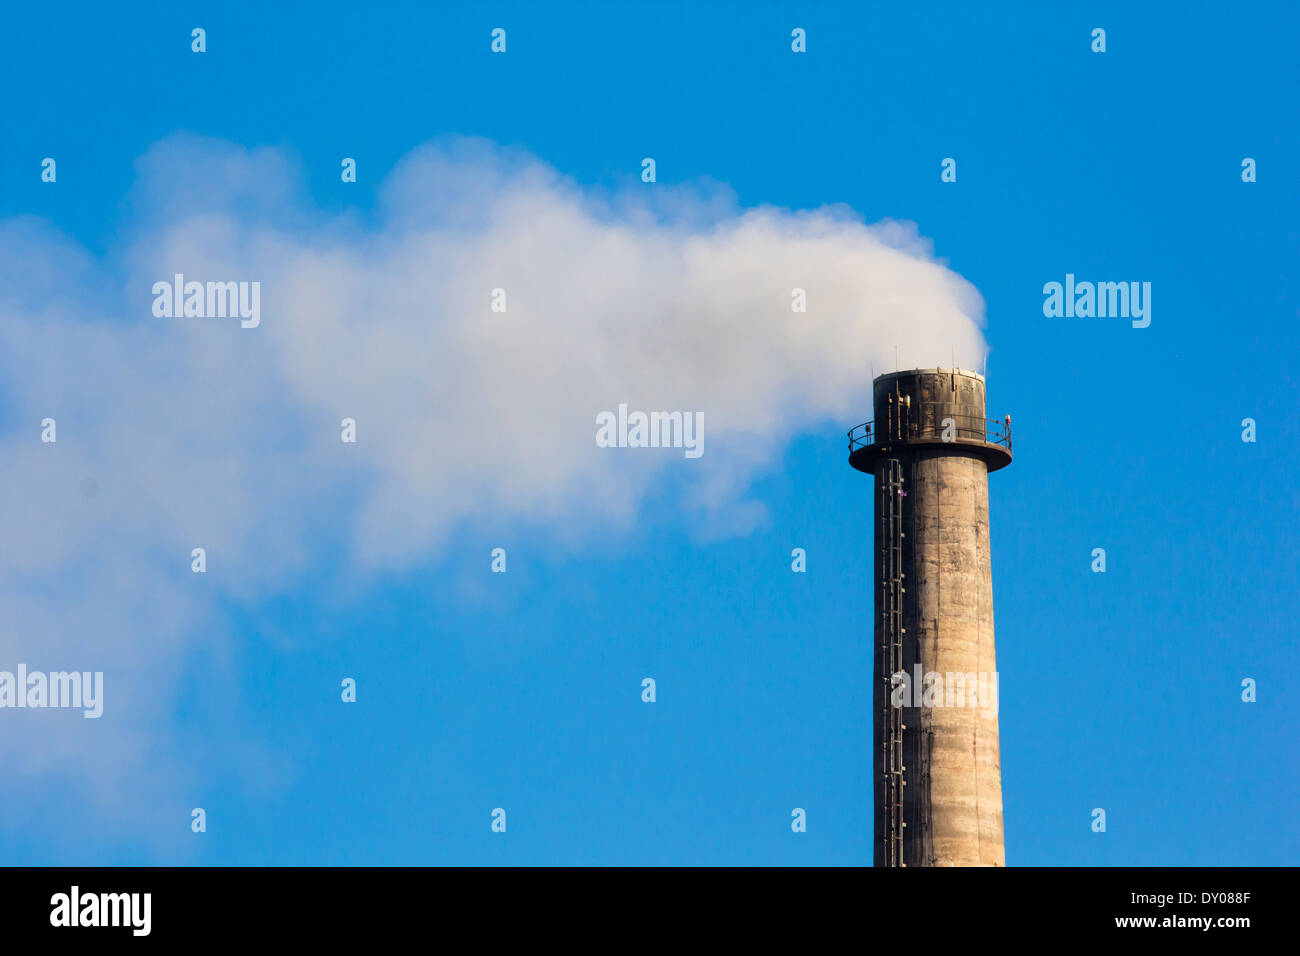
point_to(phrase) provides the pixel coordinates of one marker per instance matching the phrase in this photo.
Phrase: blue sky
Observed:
(1118, 690)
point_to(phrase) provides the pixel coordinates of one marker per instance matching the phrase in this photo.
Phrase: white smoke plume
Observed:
(176, 433)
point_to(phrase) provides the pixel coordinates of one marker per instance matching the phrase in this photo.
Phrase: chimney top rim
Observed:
(908, 372)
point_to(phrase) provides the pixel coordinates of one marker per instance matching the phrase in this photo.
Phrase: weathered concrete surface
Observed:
(953, 793)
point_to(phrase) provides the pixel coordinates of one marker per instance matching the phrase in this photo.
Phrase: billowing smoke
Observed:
(183, 432)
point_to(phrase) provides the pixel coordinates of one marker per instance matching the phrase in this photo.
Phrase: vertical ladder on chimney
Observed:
(891, 513)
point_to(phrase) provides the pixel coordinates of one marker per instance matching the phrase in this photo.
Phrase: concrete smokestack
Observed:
(938, 780)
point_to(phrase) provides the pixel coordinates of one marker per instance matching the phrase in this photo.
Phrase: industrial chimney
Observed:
(938, 779)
